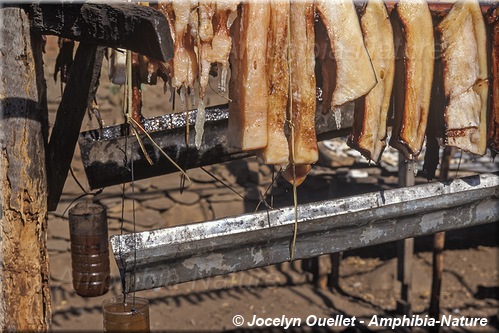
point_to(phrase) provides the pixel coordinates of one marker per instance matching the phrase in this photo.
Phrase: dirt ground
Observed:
(368, 283)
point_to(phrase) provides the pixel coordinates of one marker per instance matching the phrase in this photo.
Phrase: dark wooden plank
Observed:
(77, 95)
(141, 29)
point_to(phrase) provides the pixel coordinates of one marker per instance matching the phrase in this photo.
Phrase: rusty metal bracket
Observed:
(169, 256)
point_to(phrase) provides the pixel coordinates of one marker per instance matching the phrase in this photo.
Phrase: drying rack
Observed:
(168, 256)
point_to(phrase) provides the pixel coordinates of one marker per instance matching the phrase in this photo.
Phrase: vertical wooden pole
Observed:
(436, 281)
(24, 275)
(405, 248)
(438, 251)
(323, 270)
(334, 276)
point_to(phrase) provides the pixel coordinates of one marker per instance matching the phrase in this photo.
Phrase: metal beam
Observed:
(169, 256)
(102, 150)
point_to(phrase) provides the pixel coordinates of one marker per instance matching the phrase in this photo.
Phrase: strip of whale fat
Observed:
(214, 45)
(414, 41)
(248, 93)
(493, 135)
(183, 66)
(355, 75)
(278, 78)
(464, 56)
(225, 14)
(215, 20)
(185, 60)
(303, 83)
(325, 66)
(148, 70)
(148, 66)
(369, 127)
(136, 92)
(326, 75)
(206, 11)
(303, 150)
(435, 127)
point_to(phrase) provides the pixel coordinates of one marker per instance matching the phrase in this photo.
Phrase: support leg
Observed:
(24, 272)
(334, 276)
(405, 248)
(438, 251)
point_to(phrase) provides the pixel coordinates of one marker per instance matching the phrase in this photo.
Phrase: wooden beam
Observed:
(24, 291)
(77, 95)
(141, 29)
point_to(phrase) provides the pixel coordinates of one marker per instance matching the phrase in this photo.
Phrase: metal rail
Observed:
(169, 256)
(102, 151)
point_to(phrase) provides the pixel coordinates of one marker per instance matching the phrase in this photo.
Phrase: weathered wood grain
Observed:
(24, 292)
(77, 95)
(141, 29)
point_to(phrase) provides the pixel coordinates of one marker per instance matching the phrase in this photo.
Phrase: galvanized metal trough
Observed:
(169, 256)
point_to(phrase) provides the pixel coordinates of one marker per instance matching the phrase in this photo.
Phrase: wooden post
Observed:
(438, 251)
(436, 281)
(323, 271)
(334, 276)
(405, 248)
(24, 276)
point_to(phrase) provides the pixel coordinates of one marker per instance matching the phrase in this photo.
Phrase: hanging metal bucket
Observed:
(89, 249)
(131, 315)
